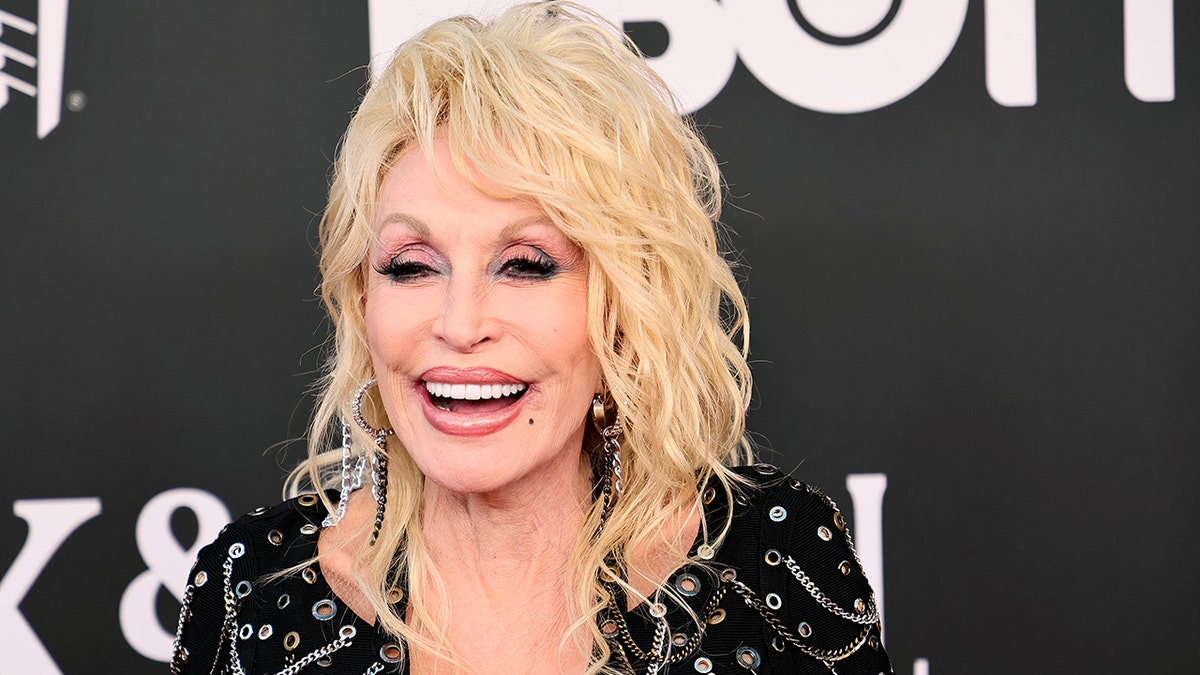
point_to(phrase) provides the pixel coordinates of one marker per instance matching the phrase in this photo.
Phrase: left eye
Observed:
(524, 267)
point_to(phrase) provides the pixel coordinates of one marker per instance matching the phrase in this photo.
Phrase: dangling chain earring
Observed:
(351, 477)
(611, 482)
(378, 459)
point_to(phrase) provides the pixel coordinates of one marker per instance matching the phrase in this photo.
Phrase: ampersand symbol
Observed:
(167, 565)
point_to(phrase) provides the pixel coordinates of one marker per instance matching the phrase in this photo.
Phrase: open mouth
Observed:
(474, 398)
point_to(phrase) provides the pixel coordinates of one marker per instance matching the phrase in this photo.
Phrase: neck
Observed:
(522, 532)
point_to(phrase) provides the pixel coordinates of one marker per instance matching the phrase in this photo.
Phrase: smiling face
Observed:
(476, 318)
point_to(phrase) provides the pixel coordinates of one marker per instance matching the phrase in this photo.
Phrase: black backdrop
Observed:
(995, 306)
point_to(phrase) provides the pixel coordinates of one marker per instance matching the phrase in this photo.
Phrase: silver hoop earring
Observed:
(352, 475)
(378, 458)
(611, 484)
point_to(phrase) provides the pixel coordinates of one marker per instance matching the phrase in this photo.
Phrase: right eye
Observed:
(400, 270)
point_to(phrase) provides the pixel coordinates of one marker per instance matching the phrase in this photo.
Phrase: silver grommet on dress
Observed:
(325, 661)
(824, 533)
(246, 631)
(728, 574)
(265, 631)
(236, 550)
(275, 537)
(308, 528)
(243, 589)
(201, 578)
(772, 557)
(844, 567)
(766, 469)
(658, 610)
(309, 575)
(348, 632)
(258, 512)
(323, 610)
(778, 644)
(705, 552)
(748, 658)
(283, 601)
(392, 652)
(777, 513)
(703, 665)
(795, 484)
(774, 601)
(679, 639)
(687, 584)
(805, 630)
(609, 628)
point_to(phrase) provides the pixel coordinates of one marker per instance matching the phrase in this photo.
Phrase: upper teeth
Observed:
(472, 392)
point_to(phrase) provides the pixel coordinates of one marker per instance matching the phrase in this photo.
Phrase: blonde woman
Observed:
(539, 384)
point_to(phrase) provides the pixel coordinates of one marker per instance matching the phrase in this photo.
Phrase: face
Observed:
(476, 317)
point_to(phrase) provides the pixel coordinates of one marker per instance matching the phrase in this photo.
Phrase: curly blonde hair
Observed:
(550, 102)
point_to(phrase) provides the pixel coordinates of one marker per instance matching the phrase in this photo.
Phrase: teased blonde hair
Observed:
(551, 103)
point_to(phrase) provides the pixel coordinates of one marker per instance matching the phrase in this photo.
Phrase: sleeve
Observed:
(207, 640)
(824, 603)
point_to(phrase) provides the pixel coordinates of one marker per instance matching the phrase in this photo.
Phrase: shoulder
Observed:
(228, 570)
(797, 568)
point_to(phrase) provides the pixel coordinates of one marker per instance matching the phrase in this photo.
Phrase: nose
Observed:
(466, 320)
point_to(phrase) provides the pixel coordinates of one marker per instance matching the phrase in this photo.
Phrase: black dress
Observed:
(783, 594)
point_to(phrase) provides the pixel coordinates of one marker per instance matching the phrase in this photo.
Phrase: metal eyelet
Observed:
(283, 601)
(824, 533)
(778, 643)
(873, 642)
(777, 513)
(839, 521)
(265, 631)
(687, 584)
(394, 595)
(275, 537)
(766, 469)
(805, 630)
(307, 500)
(609, 628)
(844, 567)
(237, 550)
(717, 616)
(392, 652)
(658, 610)
(309, 528)
(246, 631)
(201, 578)
(259, 511)
(610, 573)
(291, 641)
(243, 589)
(710, 493)
(679, 639)
(728, 574)
(774, 601)
(325, 661)
(703, 665)
(348, 632)
(309, 575)
(323, 610)
(705, 552)
(748, 658)
(772, 557)
(795, 484)
(859, 605)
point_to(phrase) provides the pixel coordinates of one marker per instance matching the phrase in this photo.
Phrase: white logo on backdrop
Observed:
(52, 521)
(831, 55)
(51, 31)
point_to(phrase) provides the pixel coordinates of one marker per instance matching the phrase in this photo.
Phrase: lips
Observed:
(470, 401)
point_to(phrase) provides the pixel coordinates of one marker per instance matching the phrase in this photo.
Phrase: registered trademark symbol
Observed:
(76, 101)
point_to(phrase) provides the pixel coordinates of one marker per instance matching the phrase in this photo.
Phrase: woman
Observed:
(540, 353)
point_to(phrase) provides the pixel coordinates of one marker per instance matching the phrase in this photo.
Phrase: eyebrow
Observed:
(422, 230)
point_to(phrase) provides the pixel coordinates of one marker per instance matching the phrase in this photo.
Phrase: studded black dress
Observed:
(783, 594)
